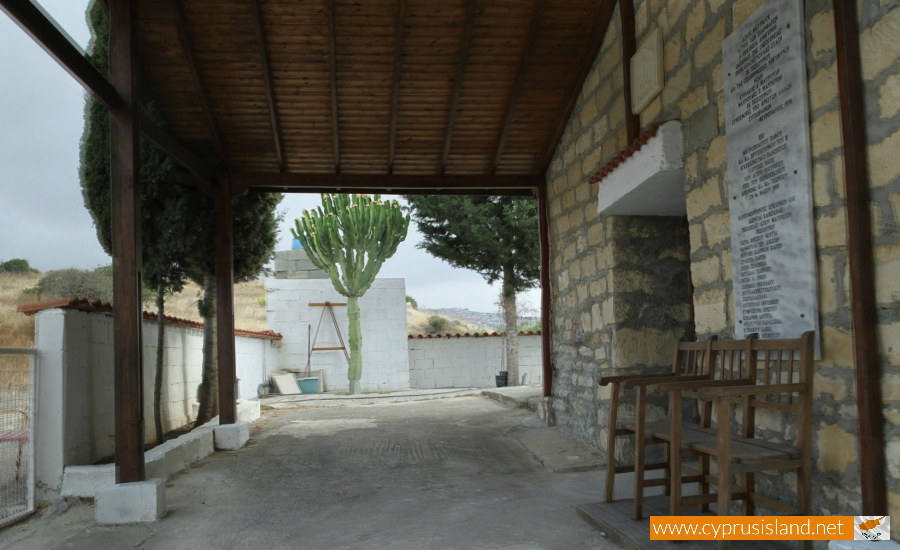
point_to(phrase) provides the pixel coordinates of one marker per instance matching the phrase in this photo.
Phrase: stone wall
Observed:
(469, 362)
(583, 243)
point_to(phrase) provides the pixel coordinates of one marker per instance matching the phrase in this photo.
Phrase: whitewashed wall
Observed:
(383, 323)
(76, 424)
(468, 362)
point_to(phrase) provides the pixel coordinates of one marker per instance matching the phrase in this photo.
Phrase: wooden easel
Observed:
(327, 306)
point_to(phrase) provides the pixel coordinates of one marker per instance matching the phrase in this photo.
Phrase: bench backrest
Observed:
(695, 358)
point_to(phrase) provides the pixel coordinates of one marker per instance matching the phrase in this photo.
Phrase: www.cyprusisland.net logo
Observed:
(871, 527)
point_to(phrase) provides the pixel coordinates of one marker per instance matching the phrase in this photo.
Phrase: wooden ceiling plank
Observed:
(457, 83)
(332, 68)
(388, 182)
(520, 78)
(395, 97)
(601, 24)
(267, 80)
(190, 53)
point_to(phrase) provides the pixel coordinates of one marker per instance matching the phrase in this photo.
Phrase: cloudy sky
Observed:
(42, 215)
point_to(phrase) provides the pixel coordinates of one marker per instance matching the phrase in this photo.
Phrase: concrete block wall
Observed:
(383, 322)
(75, 420)
(468, 362)
(295, 264)
(583, 243)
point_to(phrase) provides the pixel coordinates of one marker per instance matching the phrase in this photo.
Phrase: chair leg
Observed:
(675, 453)
(748, 507)
(704, 485)
(639, 433)
(667, 471)
(611, 443)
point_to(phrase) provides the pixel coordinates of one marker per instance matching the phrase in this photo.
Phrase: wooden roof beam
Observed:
(387, 183)
(629, 47)
(457, 84)
(267, 80)
(47, 34)
(332, 73)
(395, 94)
(187, 44)
(44, 30)
(601, 24)
(520, 79)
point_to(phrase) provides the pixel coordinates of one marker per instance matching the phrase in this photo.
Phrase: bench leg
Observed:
(639, 443)
(748, 507)
(724, 459)
(611, 443)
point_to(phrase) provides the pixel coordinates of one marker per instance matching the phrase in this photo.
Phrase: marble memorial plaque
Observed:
(769, 169)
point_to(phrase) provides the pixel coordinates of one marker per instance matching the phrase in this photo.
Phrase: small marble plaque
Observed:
(646, 72)
(769, 174)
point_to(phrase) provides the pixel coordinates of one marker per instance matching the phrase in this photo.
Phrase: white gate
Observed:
(17, 410)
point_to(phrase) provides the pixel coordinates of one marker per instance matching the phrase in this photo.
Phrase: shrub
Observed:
(436, 324)
(532, 326)
(93, 284)
(16, 265)
(412, 301)
(261, 301)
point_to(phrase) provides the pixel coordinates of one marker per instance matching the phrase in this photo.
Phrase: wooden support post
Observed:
(125, 169)
(225, 302)
(544, 233)
(860, 260)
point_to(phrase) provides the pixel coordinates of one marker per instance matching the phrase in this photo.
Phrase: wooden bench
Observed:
(693, 362)
(784, 361)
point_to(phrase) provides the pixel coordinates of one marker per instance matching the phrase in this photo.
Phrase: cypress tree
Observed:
(497, 237)
(178, 222)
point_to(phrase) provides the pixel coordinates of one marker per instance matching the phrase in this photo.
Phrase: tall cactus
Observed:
(357, 233)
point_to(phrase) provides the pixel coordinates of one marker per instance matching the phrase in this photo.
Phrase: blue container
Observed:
(308, 385)
(295, 244)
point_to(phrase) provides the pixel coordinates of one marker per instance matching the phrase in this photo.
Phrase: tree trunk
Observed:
(354, 373)
(160, 353)
(512, 333)
(209, 386)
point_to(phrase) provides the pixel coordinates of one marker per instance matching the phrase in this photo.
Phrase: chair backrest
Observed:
(694, 358)
(735, 358)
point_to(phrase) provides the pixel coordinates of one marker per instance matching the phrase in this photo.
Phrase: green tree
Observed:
(178, 223)
(357, 234)
(16, 265)
(496, 237)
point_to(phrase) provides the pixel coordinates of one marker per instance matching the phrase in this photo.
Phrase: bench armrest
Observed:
(666, 387)
(711, 393)
(646, 381)
(610, 379)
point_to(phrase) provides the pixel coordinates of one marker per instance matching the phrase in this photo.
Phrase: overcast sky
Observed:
(42, 214)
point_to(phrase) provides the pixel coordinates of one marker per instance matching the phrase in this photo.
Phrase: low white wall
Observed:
(76, 420)
(382, 320)
(469, 362)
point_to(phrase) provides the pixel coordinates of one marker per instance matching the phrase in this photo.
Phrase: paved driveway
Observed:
(421, 475)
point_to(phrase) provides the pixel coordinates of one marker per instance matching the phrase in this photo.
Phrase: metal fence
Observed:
(17, 410)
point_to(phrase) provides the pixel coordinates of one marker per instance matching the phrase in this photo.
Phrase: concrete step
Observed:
(524, 396)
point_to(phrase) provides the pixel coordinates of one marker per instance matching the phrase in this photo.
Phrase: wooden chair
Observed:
(693, 362)
(734, 365)
(784, 361)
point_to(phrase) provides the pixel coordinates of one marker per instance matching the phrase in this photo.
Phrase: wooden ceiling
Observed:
(416, 87)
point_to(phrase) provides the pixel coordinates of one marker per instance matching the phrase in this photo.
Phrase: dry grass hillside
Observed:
(249, 305)
(417, 322)
(16, 330)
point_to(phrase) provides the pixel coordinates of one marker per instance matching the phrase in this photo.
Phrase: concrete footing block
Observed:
(249, 410)
(86, 481)
(139, 502)
(231, 437)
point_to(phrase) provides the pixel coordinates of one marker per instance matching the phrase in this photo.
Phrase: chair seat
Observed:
(690, 433)
(746, 451)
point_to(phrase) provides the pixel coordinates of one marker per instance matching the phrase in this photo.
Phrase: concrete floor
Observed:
(420, 475)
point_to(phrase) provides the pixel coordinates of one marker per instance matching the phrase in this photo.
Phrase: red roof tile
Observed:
(620, 157)
(475, 335)
(96, 306)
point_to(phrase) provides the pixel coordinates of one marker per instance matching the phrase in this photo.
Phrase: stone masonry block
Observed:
(140, 502)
